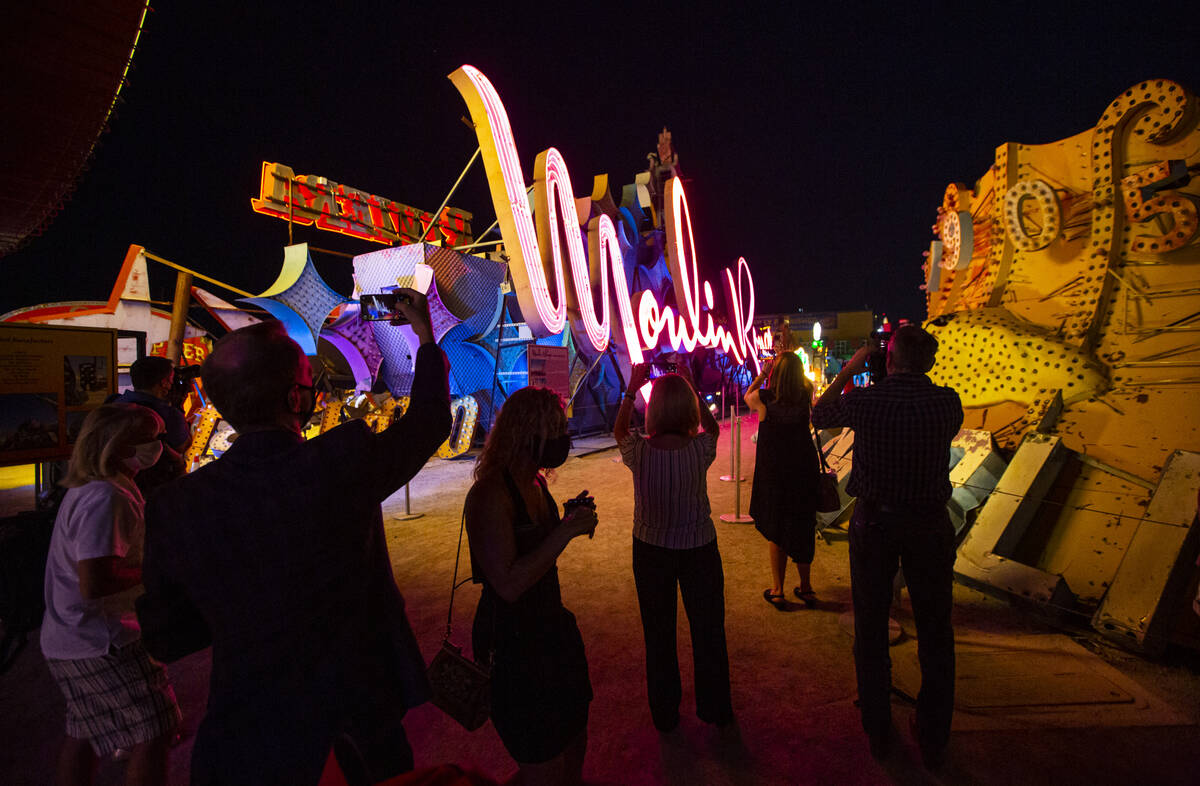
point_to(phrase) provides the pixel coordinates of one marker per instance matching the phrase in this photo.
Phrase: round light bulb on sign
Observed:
(816, 331)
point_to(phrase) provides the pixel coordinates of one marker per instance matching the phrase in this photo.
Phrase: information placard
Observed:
(549, 368)
(51, 377)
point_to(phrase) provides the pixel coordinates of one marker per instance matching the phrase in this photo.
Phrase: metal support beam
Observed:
(183, 297)
(449, 196)
(984, 557)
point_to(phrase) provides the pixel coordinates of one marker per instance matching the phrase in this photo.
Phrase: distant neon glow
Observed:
(643, 319)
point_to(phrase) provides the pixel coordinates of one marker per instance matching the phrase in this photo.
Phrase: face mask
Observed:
(144, 456)
(306, 414)
(554, 451)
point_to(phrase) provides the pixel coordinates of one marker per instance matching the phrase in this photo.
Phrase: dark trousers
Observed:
(701, 580)
(380, 740)
(923, 543)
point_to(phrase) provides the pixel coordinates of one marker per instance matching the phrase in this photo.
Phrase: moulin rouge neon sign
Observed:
(536, 253)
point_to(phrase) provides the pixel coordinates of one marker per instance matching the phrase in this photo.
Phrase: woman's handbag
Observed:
(460, 686)
(829, 500)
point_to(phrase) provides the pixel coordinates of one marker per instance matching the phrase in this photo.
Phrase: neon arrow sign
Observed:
(537, 256)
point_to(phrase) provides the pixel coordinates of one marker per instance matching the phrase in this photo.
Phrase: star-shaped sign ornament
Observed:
(299, 298)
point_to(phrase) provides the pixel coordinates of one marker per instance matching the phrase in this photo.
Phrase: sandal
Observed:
(778, 601)
(808, 598)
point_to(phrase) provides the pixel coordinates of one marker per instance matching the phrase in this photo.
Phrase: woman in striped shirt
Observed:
(675, 544)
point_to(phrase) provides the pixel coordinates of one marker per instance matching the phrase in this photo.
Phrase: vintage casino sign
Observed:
(311, 199)
(1062, 285)
(194, 351)
(552, 282)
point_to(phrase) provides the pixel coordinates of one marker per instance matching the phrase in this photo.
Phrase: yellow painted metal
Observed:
(1078, 316)
(179, 310)
(465, 411)
(1152, 569)
(1084, 282)
(201, 434)
(194, 274)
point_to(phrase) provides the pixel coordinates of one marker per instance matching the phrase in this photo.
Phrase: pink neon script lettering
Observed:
(553, 191)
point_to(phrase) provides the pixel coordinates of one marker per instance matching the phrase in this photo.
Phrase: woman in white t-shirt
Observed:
(675, 545)
(117, 696)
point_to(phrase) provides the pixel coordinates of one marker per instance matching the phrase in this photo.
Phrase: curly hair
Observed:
(673, 407)
(788, 382)
(106, 431)
(528, 418)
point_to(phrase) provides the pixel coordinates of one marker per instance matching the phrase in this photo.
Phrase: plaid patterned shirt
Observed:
(903, 428)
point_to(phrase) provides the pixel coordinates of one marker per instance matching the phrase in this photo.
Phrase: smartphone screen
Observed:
(380, 307)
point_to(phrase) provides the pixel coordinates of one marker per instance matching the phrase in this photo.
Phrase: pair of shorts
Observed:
(117, 700)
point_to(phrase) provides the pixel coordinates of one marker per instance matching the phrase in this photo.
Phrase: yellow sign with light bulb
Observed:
(1063, 288)
(1068, 270)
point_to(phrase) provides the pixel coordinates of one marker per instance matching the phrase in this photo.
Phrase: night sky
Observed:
(814, 142)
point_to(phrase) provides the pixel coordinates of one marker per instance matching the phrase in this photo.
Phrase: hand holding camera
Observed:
(579, 512)
(414, 308)
(639, 375)
(858, 363)
(402, 306)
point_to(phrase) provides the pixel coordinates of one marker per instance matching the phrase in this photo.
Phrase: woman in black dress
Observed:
(540, 686)
(783, 501)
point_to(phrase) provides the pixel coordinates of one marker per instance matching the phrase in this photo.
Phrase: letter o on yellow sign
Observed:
(1017, 200)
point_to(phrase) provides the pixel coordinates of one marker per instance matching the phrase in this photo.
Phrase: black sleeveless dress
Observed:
(540, 684)
(783, 501)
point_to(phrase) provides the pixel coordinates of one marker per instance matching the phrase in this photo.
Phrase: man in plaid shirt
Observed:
(903, 427)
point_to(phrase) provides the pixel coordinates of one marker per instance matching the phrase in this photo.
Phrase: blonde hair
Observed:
(788, 382)
(673, 407)
(529, 417)
(106, 432)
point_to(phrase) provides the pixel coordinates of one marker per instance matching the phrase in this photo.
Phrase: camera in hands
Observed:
(581, 500)
(877, 362)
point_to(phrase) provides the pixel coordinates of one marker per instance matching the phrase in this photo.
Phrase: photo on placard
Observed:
(85, 380)
(75, 423)
(28, 421)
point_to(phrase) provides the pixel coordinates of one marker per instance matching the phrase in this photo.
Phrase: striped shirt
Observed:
(670, 491)
(903, 428)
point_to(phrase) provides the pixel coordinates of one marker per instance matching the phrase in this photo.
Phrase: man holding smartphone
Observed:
(276, 553)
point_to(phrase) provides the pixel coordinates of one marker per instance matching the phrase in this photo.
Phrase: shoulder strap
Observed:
(454, 581)
(820, 453)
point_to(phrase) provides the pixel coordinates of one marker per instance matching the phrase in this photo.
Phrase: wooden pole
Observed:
(179, 310)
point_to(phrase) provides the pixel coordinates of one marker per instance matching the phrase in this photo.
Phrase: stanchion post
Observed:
(408, 515)
(734, 424)
(736, 517)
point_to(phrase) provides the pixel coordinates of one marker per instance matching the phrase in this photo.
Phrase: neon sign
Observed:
(310, 199)
(536, 255)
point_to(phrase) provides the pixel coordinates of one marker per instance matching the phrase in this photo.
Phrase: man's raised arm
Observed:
(408, 443)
